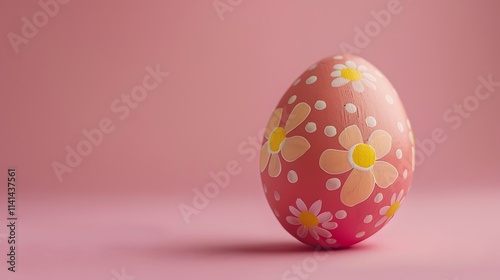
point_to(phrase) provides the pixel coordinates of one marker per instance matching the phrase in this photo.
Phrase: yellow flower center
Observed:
(351, 74)
(363, 155)
(392, 210)
(308, 219)
(276, 138)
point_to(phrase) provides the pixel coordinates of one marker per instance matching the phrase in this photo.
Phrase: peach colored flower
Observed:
(363, 160)
(290, 147)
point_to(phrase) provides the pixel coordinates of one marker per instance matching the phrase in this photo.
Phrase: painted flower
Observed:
(363, 160)
(309, 220)
(389, 211)
(290, 147)
(351, 73)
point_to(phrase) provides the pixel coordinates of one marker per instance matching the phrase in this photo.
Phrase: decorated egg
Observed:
(338, 153)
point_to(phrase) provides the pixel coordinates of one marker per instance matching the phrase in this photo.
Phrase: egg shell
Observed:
(338, 153)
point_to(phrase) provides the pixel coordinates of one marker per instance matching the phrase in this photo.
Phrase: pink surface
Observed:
(227, 68)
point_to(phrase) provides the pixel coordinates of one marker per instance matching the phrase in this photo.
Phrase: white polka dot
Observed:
(371, 121)
(405, 174)
(400, 126)
(276, 213)
(276, 196)
(350, 108)
(408, 123)
(310, 127)
(292, 176)
(360, 234)
(389, 99)
(331, 241)
(265, 188)
(296, 82)
(338, 57)
(330, 131)
(292, 99)
(399, 153)
(311, 80)
(368, 219)
(341, 214)
(320, 105)
(378, 198)
(312, 67)
(333, 184)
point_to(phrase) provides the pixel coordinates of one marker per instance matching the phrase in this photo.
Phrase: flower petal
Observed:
(302, 231)
(369, 77)
(313, 233)
(302, 206)
(350, 64)
(381, 221)
(369, 84)
(335, 73)
(293, 220)
(362, 68)
(339, 66)
(381, 142)
(274, 166)
(294, 211)
(330, 225)
(400, 195)
(264, 156)
(297, 116)
(357, 188)
(385, 174)
(338, 82)
(393, 198)
(358, 86)
(294, 147)
(323, 232)
(383, 210)
(350, 136)
(324, 217)
(335, 161)
(315, 207)
(274, 122)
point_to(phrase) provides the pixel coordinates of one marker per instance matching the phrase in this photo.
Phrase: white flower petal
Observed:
(383, 210)
(313, 233)
(381, 221)
(294, 211)
(339, 66)
(358, 86)
(293, 220)
(369, 77)
(393, 198)
(315, 207)
(400, 196)
(301, 205)
(362, 68)
(335, 73)
(339, 82)
(330, 225)
(323, 232)
(351, 64)
(369, 84)
(325, 217)
(302, 231)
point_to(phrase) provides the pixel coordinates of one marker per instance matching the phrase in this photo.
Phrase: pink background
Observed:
(119, 207)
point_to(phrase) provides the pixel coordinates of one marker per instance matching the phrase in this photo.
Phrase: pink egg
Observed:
(338, 154)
